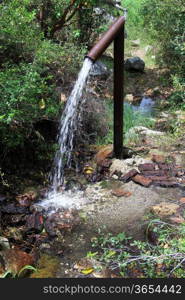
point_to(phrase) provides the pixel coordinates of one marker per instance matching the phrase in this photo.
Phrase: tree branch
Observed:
(60, 23)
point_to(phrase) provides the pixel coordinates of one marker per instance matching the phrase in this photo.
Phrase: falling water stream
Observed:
(67, 129)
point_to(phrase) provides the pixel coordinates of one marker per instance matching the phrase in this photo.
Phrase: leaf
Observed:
(2, 117)
(91, 254)
(5, 274)
(110, 253)
(42, 104)
(87, 271)
(27, 267)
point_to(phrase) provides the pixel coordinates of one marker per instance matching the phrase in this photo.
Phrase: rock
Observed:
(99, 70)
(16, 259)
(120, 166)
(27, 198)
(158, 158)
(166, 184)
(165, 209)
(143, 131)
(147, 167)
(156, 173)
(121, 193)
(104, 153)
(177, 220)
(13, 220)
(13, 208)
(135, 43)
(182, 200)
(15, 233)
(134, 64)
(61, 222)
(4, 243)
(129, 98)
(128, 176)
(142, 180)
(35, 222)
(2, 198)
(73, 185)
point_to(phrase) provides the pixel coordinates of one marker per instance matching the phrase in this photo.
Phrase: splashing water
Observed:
(68, 127)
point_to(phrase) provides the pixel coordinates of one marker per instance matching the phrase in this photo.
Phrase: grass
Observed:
(131, 119)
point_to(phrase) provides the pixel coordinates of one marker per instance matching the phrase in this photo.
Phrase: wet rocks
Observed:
(134, 64)
(35, 222)
(16, 259)
(13, 208)
(61, 222)
(99, 70)
(165, 209)
(27, 198)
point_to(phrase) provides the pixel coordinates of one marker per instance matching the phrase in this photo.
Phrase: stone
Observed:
(142, 180)
(99, 70)
(135, 43)
(147, 167)
(35, 222)
(177, 220)
(16, 259)
(165, 209)
(166, 184)
(2, 198)
(104, 153)
(13, 208)
(4, 243)
(128, 176)
(61, 222)
(134, 64)
(154, 173)
(121, 193)
(182, 200)
(14, 233)
(129, 98)
(158, 158)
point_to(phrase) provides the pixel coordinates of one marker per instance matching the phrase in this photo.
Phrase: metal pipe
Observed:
(106, 39)
(118, 94)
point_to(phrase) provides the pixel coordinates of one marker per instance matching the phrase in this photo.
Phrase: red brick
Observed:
(142, 180)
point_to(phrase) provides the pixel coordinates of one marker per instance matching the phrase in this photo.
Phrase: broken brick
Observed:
(128, 176)
(154, 173)
(142, 180)
(147, 167)
(158, 158)
(121, 193)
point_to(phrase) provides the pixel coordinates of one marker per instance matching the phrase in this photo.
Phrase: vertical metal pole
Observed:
(118, 93)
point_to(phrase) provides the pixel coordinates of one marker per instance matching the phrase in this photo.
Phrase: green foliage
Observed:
(140, 258)
(31, 67)
(165, 21)
(131, 119)
(19, 274)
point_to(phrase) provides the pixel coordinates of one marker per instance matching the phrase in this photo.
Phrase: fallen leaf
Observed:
(87, 271)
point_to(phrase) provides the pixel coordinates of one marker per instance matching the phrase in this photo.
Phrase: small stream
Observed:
(146, 106)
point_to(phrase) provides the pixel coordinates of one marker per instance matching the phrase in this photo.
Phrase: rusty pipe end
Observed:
(106, 39)
(91, 58)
